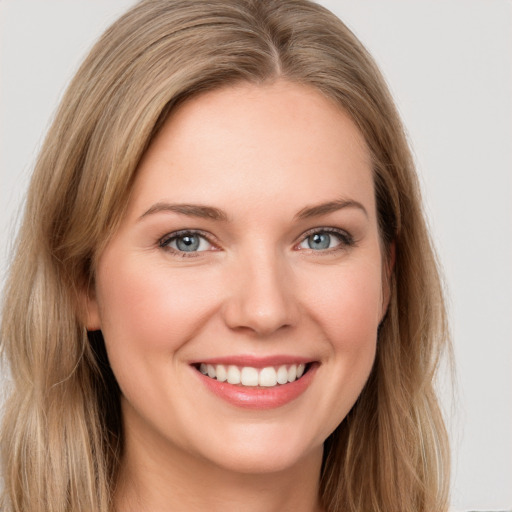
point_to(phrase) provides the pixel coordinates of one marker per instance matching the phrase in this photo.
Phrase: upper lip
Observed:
(255, 361)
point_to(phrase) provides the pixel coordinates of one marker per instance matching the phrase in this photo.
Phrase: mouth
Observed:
(254, 377)
(257, 383)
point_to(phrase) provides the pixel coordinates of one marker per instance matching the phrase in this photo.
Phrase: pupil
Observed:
(319, 241)
(187, 243)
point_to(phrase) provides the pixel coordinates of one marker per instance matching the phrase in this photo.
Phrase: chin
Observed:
(260, 463)
(262, 454)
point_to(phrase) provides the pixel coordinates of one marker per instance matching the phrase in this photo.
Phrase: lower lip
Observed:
(259, 397)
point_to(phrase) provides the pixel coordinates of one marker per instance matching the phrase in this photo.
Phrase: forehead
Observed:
(249, 141)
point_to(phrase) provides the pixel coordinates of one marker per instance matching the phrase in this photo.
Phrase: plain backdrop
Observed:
(449, 68)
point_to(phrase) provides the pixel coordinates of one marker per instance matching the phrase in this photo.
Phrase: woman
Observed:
(224, 295)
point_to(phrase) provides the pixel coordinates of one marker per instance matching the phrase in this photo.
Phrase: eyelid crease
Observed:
(326, 229)
(346, 239)
(167, 238)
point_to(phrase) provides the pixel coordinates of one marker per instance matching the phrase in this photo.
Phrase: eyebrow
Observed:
(329, 207)
(212, 213)
(192, 210)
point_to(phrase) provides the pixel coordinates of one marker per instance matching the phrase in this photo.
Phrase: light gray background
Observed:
(449, 67)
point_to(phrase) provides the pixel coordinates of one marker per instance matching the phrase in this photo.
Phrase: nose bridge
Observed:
(261, 297)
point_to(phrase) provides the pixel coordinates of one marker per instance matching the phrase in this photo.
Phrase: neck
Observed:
(179, 482)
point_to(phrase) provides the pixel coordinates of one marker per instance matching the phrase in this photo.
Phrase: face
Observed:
(240, 297)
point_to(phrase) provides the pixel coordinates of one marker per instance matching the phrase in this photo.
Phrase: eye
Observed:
(326, 239)
(186, 242)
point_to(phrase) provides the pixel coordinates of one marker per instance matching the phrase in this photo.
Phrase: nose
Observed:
(261, 297)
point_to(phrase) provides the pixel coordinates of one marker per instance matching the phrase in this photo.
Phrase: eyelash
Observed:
(346, 240)
(170, 237)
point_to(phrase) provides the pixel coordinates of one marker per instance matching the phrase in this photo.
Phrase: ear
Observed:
(387, 271)
(90, 310)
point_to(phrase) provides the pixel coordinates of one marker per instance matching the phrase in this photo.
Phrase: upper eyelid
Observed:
(165, 239)
(325, 229)
(346, 240)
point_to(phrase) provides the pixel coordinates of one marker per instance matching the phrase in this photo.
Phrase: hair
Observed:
(62, 439)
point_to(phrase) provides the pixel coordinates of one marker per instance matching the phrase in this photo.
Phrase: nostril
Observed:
(261, 297)
(262, 321)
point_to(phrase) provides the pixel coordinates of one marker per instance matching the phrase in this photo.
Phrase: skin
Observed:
(260, 154)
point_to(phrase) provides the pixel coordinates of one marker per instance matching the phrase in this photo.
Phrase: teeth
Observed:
(292, 373)
(233, 374)
(248, 376)
(211, 371)
(268, 377)
(222, 374)
(282, 375)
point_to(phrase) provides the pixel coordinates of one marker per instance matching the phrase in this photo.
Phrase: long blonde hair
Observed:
(61, 440)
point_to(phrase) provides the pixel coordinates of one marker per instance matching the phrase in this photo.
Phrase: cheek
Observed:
(350, 316)
(349, 307)
(347, 310)
(149, 308)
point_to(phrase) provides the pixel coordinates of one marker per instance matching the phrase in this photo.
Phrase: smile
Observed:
(257, 383)
(249, 376)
